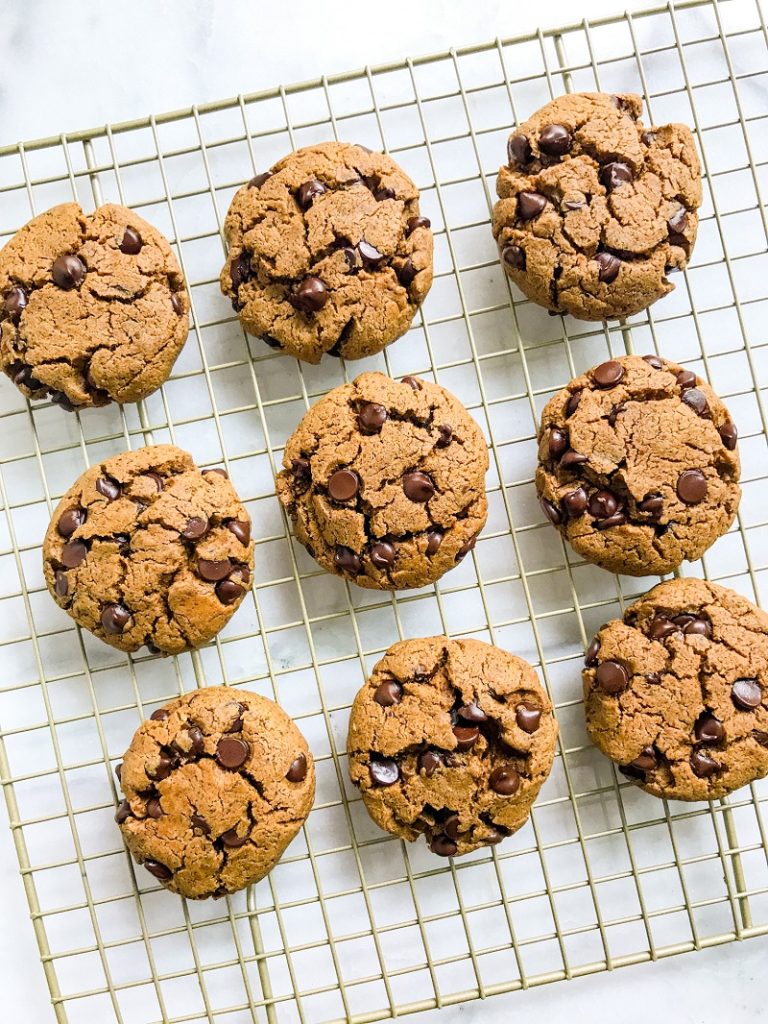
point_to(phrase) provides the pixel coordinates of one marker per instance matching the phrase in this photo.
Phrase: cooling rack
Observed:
(353, 925)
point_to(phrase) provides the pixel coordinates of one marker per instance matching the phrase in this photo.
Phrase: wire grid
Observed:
(353, 924)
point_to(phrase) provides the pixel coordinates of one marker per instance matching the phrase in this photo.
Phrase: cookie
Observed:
(384, 482)
(217, 783)
(145, 549)
(328, 253)
(595, 210)
(93, 307)
(638, 467)
(452, 740)
(676, 692)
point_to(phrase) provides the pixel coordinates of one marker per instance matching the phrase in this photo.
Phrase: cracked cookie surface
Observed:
(594, 209)
(676, 692)
(384, 481)
(145, 549)
(452, 740)
(638, 467)
(217, 783)
(93, 307)
(328, 253)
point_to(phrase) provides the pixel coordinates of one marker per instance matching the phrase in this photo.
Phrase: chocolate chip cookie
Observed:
(638, 467)
(93, 308)
(452, 740)
(595, 210)
(145, 549)
(328, 253)
(384, 481)
(217, 783)
(676, 692)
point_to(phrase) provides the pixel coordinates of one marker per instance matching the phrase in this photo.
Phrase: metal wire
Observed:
(354, 925)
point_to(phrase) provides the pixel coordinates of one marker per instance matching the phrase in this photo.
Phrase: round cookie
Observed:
(217, 783)
(676, 693)
(595, 210)
(384, 481)
(145, 549)
(93, 307)
(328, 253)
(638, 467)
(451, 739)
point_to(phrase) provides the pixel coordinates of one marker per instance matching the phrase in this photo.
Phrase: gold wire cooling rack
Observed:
(354, 925)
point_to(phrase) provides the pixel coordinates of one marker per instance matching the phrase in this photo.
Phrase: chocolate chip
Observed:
(189, 743)
(528, 717)
(346, 560)
(418, 487)
(575, 502)
(590, 656)
(196, 528)
(417, 222)
(452, 826)
(697, 400)
(555, 140)
(612, 677)
(383, 772)
(691, 486)
(760, 737)
(504, 780)
(446, 436)
(472, 713)
(177, 303)
(429, 761)
(123, 812)
(412, 382)
(73, 554)
(161, 769)
(382, 554)
(645, 761)
(573, 403)
(609, 266)
(678, 222)
(660, 627)
(466, 736)
(686, 379)
(232, 752)
(240, 270)
(70, 520)
(302, 472)
(212, 569)
(729, 435)
(406, 272)
(298, 770)
(310, 296)
(530, 205)
(343, 484)
(465, 548)
(434, 540)
(269, 340)
(603, 505)
(696, 626)
(615, 174)
(443, 846)
(369, 254)
(653, 505)
(703, 765)
(572, 458)
(608, 375)
(655, 361)
(514, 257)
(68, 271)
(708, 728)
(25, 378)
(114, 618)
(388, 693)
(132, 242)
(371, 417)
(61, 583)
(308, 192)
(519, 149)
(617, 519)
(154, 807)
(241, 530)
(228, 591)
(747, 694)
(232, 840)
(558, 442)
(258, 180)
(156, 479)
(159, 870)
(160, 715)
(648, 138)
(552, 513)
(15, 303)
(108, 488)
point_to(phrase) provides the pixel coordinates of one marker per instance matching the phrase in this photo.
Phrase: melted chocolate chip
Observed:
(703, 765)
(308, 192)
(603, 505)
(343, 485)
(232, 752)
(61, 583)
(575, 502)
(345, 559)
(406, 272)
(68, 271)
(571, 459)
(241, 529)
(557, 442)
(382, 554)
(610, 265)
(383, 772)
(132, 242)
(417, 222)
(555, 140)
(443, 846)
(70, 520)
(311, 295)
(645, 761)
(123, 812)
(747, 694)
(729, 435)
(655, 361)
(552, 513)
(159, 870)
(615, 174)
(612, 677)
(73, 554)
(298, 770)
(573, 403)
(369, 254)
(429, 761)
(114, 618)
(15, 303)
(196, 528)
(434, 540)
(371, 417)
(258, 180)
(504, 780)
(418, 487)
(388, 693)
(590, 656)
(466, 736)
(519, 149)
(697, 401)
(678, 222)
(530, 205)
(108, 488)
(691, 486)
(213, 570)
(514, 257)
(708, 728)
(528, 717)
(240, 270)
(608, 375)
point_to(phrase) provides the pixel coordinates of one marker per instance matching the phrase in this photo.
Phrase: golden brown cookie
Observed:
(452, 740)
(93, 307)
(638, 467)
(595, 210)
(145, 549)
(676, 692)
(217, 783)
(328, 253)
(384, 481)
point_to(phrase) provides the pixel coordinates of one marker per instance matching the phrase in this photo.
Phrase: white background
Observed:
(72, 65)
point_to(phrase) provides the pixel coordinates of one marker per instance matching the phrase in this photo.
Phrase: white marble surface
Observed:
(66, 66)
